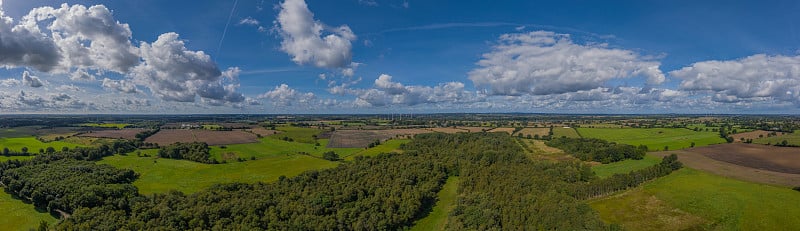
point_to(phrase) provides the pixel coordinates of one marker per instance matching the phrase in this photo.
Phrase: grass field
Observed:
(437, 219)
(18, 132)
(654, 138)
(625, 166)
(163, 175)
(791, 138)
(692, 199)
(267, 147)
(568, 132)
(33, 145)
(105, 125)
(385, 147)
(20, 216)
(211, 126)
(298, 134)
(6, 158)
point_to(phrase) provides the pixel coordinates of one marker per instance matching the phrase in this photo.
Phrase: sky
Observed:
(399, 56)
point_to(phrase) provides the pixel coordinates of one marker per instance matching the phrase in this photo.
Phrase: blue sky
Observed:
(389, 56)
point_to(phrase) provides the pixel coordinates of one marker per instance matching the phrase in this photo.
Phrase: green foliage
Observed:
(722, 203)
(31, 143)
(588, 149)
(675, 138)
(437, 218)
(330, 155)
(392, 145)
(632, 179)
(195, 151)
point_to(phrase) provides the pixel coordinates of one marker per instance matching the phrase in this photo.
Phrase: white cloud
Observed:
(9, 82)
(249, 21)
(749, 78)
(174, 73)
(304, 41)
(81, 75)
(30, 80)
(21, 46)
(388, 92)
(284, 95)
(542, 63)
(125, 86)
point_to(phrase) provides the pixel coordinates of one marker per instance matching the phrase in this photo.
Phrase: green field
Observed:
(267, 147)
(437, 219)
(791, 139)
(691, 199)
(568, 132)
(298, 134)
(18, 132)
(386, 147)
(162, 175)
(654, 138)
(20, 216)
(33, 145)
(6, 158)
(211, 126)
(105, 125)
(625, 166)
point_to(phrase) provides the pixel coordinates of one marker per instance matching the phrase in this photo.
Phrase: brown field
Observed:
(748, 162)
(506, 130)
(127, 133)
(170, 136)
(533, 132)
(475, 129)
(449, 130)
(362, 138)
(751, 135)
(262, 131)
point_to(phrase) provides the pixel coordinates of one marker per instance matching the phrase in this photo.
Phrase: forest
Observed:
(195, 151)
(500, 189)
(590, 149)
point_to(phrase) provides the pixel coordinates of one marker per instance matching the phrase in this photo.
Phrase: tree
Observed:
(50, 150)
(666, 148)
(692, 145)
(330, 155)
(24, 150)
(6, 152)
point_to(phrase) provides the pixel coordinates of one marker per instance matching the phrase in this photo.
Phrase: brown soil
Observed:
(362, 138)
(127, 133)
(170, 136)
(506, 130)
(448, 130)
(475, 129)
(748, 162)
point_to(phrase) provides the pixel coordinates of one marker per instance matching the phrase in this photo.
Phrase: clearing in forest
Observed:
(437, 218)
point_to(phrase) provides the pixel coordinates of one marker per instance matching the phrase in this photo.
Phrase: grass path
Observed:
(437, 219)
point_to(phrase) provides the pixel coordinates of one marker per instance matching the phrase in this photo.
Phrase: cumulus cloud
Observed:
(286, 96)
(749, 78)
(387, 92)
(81, 75)
(305, 42)
(174, 73)
(125, 86)
(30, 80)
(9, 82)
(543, 62)
(24, 46)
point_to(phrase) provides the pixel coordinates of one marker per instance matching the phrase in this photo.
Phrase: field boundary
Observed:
(703, 163)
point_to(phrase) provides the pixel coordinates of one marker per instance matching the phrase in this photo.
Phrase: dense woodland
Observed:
(195, 151)
(500, 189)
(589, 149)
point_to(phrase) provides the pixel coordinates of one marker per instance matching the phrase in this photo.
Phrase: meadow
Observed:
(385, 147)
(298, 134)
(18, 215)
(692, 199)
(568, 132)
(790, 138)
(625, 166)
(33, 145)
(267, 147)
(105, 125)
(158, 175)
(437, 218)
(655, 138)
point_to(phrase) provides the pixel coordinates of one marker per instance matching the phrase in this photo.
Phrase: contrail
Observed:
(225, 31)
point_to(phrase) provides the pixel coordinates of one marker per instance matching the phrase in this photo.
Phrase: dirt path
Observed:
(701, 162)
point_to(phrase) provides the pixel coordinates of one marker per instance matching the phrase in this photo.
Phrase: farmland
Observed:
(385, 147)
(170, 136)
(654, 138)
(506, 130)
(533, 132)
(362, 138)
(790, 138)
(298, 134)
(691, 199)
(625, 166)
(127, 133)
(33, 145)
(565, 132)
(162, 175)
(105, 125)
(266, 147)
(753, 135)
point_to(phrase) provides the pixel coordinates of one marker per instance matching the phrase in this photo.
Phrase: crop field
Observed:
(475, 129)
(565, 132)
(765, 157)
(33, 145)
(698, 159)
(126, 133)
(790, 138)
(262, 131)
(625, 166)
(266, 148)
(171, 136)
(362, 138)
(752, 135)
(211, 126)
(533, 132)
(298, 134)
(18, 215)
(448, 130)
(692, 199)
(437, 218)
(18, 131)
(105, 125)
(506, 130)
(385, 147)
(162, 175)
(655, 138)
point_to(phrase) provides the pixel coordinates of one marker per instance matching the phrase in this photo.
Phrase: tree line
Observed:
(591, 149)
(195, 151)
